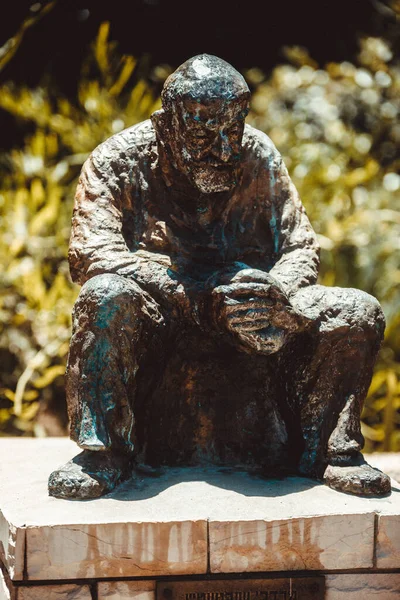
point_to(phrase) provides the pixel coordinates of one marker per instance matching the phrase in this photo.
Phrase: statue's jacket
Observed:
(128, 216)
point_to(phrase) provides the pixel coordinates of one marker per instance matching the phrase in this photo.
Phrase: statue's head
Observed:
(205, 103)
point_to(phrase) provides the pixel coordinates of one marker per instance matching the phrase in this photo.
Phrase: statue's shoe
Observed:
(360, 479)
(89, 475)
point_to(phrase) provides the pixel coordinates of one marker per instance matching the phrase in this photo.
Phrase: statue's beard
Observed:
(210, 179)
(208, 175)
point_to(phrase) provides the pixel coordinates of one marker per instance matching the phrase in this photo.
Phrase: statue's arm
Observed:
(296, 256)
(97, 244)
(247, 299)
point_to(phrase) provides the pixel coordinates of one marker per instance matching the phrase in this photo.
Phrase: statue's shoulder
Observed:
(258, 147)
(128, 144)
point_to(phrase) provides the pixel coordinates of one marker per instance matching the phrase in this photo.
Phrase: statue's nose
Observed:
(222, 148)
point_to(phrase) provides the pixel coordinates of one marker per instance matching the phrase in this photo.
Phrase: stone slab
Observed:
(54, 592)
(388, 542)
(5, 593)
(124, 549)
(325, 542)
(388, 535)
(72, 591)
(12, 545)
(158, 526)
(126, 590)
(378, 586)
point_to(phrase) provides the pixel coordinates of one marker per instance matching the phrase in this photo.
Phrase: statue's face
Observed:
(207, 141)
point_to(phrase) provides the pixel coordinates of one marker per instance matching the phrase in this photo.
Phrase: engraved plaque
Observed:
(288, 588)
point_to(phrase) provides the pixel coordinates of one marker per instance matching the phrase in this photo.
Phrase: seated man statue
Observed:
(200, 335)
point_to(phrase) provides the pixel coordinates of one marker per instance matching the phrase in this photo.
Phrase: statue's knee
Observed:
(104, 297)
(355, 311)
(370, 313)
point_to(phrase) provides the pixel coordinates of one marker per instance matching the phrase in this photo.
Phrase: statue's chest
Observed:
(159, 222)
(192, 238)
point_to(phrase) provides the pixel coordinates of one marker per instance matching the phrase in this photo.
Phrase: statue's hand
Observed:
(248, 305)
(257, 313)
(241, 273)
(240, 288)
(163, 281)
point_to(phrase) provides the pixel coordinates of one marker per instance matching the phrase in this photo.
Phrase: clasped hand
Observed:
(253, 307)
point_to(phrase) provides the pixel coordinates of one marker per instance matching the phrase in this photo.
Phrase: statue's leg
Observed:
(342, 349)
(114, 324)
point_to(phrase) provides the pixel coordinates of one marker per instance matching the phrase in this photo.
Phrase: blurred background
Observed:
(325, 78)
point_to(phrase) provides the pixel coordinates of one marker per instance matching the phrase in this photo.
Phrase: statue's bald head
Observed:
(204, 78)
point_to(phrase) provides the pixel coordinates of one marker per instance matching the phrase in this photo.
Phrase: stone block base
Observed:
(70, 591)
(379, 586)
(191, 525)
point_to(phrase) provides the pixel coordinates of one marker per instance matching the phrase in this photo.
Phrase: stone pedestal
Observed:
(189, 525)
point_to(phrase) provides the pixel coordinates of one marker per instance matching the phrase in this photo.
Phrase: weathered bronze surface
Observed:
(200, 335)
(289, 588)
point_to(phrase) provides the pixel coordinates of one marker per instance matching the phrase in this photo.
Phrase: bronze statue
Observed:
(200, 335)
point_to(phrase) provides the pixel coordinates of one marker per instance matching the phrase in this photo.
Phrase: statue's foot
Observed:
(360, 479)
(89, 475)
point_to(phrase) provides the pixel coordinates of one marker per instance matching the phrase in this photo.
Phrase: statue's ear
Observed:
(161, 122)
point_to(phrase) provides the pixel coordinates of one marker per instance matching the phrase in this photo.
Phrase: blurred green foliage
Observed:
(36, 195)
(339, 133)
